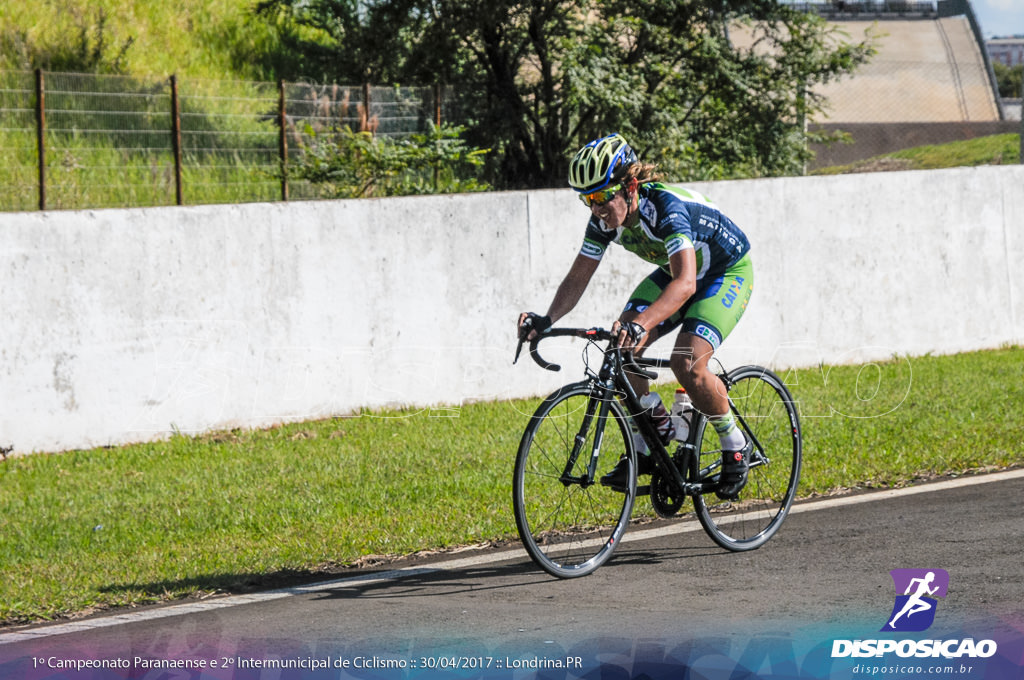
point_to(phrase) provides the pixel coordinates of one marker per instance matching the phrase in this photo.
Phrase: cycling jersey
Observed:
(673, 219)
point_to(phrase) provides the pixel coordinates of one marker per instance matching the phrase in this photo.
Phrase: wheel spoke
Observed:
(768, 415)
(568, 528)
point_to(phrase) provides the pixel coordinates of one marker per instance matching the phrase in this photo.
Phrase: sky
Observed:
(999, 17)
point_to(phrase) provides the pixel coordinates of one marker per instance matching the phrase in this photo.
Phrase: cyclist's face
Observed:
(613, 212)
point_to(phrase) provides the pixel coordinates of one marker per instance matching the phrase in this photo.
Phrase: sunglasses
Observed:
(601, 196)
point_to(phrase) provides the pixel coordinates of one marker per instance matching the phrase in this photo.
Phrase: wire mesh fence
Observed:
(928, 83)
(76, 141)
(898, 91)
(889, 105)
(18, 141)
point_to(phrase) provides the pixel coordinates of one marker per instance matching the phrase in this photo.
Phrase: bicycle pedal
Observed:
(643, 490)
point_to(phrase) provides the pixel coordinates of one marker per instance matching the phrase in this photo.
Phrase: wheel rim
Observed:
(569, 529)
(763, 503)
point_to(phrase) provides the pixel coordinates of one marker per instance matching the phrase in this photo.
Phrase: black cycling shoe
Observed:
(619, 475)
(734, 472)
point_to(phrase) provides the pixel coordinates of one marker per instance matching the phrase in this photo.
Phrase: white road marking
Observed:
(46, 631)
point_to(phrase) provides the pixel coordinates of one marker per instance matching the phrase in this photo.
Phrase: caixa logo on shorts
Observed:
(916, 603)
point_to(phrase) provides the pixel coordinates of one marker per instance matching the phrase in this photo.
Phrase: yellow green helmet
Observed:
(599, 163)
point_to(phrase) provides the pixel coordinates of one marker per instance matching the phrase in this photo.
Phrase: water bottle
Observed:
(682, 414)
(652, 404)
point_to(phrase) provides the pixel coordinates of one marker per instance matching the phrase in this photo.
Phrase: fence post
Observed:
(366, 108)
(282, 139)
(41, 137)
(437, 103)
(176, 139)
(437, 122)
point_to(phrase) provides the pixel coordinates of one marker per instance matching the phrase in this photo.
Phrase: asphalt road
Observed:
(824, 575)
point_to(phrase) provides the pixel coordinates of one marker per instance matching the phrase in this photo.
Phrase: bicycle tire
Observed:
(571, 529)
(768, 409)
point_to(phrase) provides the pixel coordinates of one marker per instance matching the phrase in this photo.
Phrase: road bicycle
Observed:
(571, 524)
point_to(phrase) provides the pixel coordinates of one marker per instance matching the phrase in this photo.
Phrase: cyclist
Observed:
(702, 285)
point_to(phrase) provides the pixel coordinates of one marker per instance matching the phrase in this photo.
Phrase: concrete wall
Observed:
(125, 325)
(1012, 109)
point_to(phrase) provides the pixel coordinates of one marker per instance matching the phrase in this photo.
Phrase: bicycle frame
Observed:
(610, 381)
(757, 457)
(571, 520)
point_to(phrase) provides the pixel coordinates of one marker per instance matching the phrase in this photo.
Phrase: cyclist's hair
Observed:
(643, 172)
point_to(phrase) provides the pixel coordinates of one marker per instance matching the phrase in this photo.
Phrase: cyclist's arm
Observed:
(683, 265)
(572, 287)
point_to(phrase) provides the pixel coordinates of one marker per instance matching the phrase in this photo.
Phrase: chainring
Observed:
(665, 504)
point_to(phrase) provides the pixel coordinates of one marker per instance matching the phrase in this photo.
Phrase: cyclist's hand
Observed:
(629, 335)
(531, 325)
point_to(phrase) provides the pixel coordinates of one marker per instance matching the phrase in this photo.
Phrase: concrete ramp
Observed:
(928, 83)
(929, 70)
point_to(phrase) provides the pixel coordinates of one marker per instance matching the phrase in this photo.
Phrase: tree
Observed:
(343, 163)
(1008, 79)
(537, 79)
(347, 40)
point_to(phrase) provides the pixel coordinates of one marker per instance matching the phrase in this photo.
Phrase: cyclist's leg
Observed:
(709, 318)
(707, 321)
(690, 365)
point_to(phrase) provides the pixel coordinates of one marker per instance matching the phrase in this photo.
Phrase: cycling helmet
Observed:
(601, 161)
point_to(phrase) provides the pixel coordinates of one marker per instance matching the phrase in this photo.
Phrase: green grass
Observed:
(217, 49)
(216, 39)
(233, 511)
(991, 150)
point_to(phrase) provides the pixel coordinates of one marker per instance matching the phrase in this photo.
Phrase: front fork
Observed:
(598, 405)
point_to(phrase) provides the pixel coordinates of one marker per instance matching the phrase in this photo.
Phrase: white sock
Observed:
(728, 433)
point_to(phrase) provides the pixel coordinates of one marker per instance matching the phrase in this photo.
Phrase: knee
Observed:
(690, 366)
(686, 369)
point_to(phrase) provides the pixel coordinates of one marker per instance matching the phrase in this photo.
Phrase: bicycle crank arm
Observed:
(585, 481)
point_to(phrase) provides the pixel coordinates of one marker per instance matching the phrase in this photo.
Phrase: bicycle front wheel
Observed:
(767, 414)
(569, 523)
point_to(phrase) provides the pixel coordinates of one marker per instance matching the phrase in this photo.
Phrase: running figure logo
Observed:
(914, 609)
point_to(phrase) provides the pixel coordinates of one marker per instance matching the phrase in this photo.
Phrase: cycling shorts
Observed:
(712, 312)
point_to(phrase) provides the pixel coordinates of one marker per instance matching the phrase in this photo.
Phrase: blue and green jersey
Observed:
(673, 219)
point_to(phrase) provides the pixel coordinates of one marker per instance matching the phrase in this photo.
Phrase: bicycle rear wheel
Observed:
(568, 522)
(768, 415)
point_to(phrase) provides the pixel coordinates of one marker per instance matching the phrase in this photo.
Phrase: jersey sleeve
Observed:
(676, 232)
(595, 242)
(677, 242)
